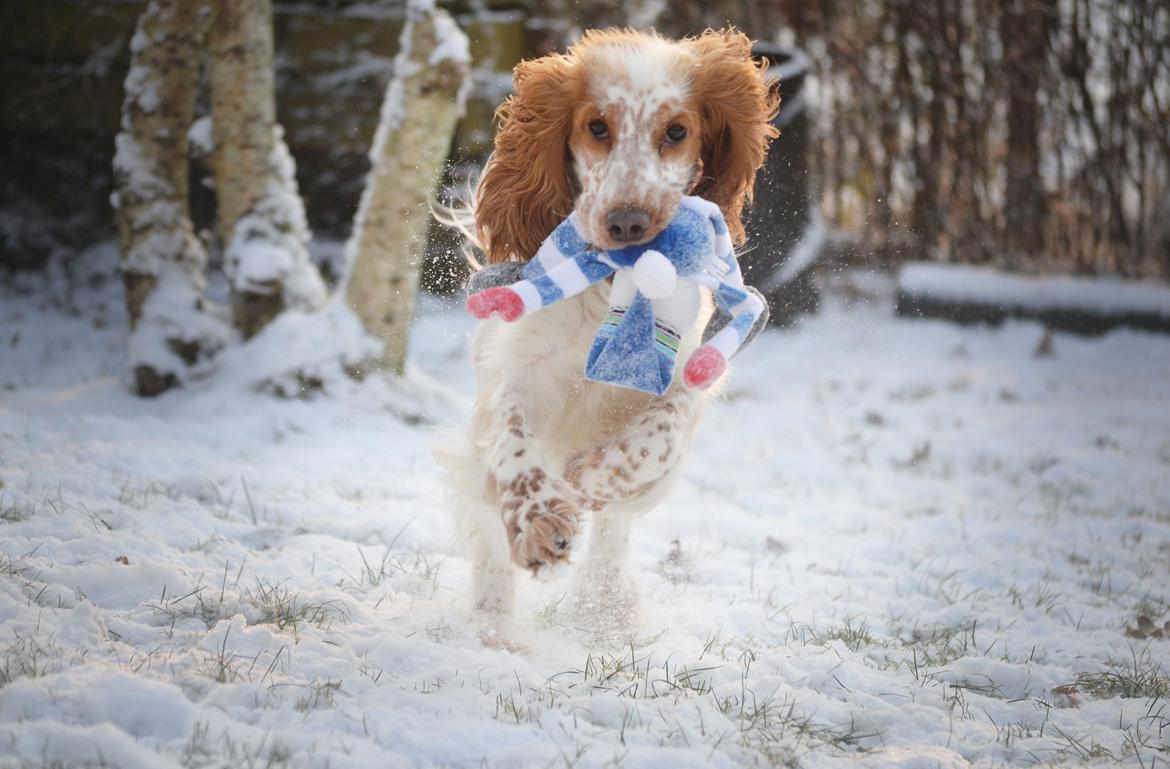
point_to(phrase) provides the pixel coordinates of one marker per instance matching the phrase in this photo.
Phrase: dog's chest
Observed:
(547, 351)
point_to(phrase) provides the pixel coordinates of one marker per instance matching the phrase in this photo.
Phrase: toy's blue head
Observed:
(686, 242)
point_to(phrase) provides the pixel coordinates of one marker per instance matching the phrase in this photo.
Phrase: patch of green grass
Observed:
(207, 605)
(937, 646)
(319, 695)
(1140, 677)
(15, 512)
(415, 573)
(1099, 579)
(770, 724)
(28, 657)
(271, 603)
(1040, 595)
(854, 634)
(1146, 735)
(12, 567)
(1151, 606)
(139, 496)
(280, 606)
(204, 750)
(629, 675)
(226, 666)
(1084, 749)
(25, 658)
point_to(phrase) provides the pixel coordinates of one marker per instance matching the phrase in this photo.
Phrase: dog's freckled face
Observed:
(620, 128)
(635, 140)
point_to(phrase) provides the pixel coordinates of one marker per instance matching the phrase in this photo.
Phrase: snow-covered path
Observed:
(897, 544)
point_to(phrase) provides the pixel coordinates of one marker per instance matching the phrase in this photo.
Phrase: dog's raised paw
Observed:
(542, 532)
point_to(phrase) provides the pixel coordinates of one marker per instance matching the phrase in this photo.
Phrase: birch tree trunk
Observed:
(422, 104)
(261, 218)
(162, 261)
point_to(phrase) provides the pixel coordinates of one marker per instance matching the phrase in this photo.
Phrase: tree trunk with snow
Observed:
(422, 104)
(162, 261)
(261, 218)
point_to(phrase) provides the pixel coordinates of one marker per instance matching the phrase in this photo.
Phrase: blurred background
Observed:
(1030, 134)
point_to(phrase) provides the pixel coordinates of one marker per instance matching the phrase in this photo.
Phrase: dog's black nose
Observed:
(627, 224)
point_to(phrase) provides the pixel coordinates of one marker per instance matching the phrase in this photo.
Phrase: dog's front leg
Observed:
(629, 463)
(540, 523)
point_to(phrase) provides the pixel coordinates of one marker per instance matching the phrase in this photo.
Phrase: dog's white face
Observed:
(635, 139)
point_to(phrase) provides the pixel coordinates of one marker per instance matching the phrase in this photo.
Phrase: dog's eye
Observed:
(675, 133)
(599, 129)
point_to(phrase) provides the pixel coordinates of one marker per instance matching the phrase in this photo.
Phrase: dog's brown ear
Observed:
(527, 188)
(736, 107)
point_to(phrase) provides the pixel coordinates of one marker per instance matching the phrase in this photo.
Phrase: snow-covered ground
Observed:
(897, 544)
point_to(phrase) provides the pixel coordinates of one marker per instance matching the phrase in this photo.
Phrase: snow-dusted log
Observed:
(422, 104)
(261, 218)
(162, 261)
(966, 294)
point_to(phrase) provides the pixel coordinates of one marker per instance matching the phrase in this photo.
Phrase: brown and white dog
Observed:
(618, 128)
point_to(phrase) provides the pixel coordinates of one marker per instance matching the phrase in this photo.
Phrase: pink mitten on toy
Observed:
(499, 299)
(705, 365)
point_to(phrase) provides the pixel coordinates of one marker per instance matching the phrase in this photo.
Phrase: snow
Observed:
(892, 541)
(984, 285)
(174, 311)
(450, 42)
(161, 219)
(200, 136)
(269, 245)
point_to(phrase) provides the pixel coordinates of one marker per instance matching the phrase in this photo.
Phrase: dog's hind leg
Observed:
(493, 583)
(477, 522)
(604, 596)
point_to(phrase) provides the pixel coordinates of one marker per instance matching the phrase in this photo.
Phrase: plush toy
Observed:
(654, 300)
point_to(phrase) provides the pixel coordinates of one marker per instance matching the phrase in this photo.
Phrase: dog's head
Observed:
(621, 127)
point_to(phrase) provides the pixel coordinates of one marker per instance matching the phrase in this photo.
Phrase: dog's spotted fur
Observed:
(544, 444)
(627, 465)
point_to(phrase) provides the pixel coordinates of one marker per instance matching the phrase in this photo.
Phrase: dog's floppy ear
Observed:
(736, 107)
(527, 188)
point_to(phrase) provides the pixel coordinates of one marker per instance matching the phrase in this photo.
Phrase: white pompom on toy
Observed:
(654, 275)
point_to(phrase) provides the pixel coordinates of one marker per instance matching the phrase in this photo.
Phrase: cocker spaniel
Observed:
(618, 129)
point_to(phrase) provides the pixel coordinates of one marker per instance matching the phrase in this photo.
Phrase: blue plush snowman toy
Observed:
(654, 300)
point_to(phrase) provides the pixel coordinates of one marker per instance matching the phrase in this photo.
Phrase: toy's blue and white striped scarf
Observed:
(638, 342)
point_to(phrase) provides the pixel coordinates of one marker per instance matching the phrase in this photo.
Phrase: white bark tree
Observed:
(422, 104)
(261, 218)
(162, 262)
